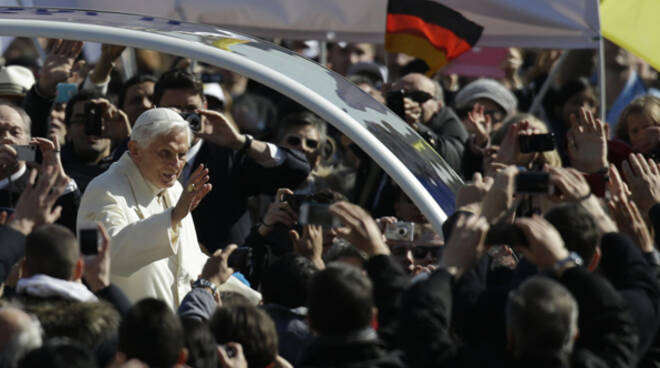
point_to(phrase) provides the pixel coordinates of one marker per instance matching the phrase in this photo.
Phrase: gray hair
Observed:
(27, 336)
(301, 119)
(542, 317)
(145, 133)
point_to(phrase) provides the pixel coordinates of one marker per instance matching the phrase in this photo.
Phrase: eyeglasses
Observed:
(418, 96)
(297, 141)
(418, 251)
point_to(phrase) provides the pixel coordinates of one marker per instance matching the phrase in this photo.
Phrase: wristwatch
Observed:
(246, 144)
(204, 283)
(573, 259)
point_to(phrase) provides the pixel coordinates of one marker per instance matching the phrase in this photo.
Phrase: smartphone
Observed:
(28, 153)
(401, 231)
(534, 182)
(295, 200)
(509, 234)
(394, 100)
(89, 241)
(65, 91)
(312, 213)
(537, 143)
(93, 119)
(194, 119)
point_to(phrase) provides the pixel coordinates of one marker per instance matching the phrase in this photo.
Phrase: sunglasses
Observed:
(297, 141)
(418, 96)
(418, 251)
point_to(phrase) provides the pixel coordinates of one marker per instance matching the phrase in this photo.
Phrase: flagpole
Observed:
(601, 79)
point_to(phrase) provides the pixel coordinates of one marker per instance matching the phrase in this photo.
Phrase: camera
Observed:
(394, 100)
(400, 231)
(295, 200)
(537, 143)
(193, 119)
(534, 182)
(93, 119)
(28, 153)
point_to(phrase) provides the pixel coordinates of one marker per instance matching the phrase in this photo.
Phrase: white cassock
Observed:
(150, 258)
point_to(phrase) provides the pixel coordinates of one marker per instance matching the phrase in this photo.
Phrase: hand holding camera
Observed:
(546, 246)
(310, 245)
(103, 119)
(280, 211)
(95, 242)
(570, 184)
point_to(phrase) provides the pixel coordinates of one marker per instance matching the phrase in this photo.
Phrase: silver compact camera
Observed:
(401, 231)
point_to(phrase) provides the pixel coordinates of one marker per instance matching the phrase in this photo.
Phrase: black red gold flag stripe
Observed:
(430, 31)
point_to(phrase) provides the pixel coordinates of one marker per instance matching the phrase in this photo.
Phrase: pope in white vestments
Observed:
(146, 211)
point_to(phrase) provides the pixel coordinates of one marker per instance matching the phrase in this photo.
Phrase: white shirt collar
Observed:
(193, 151)
(13, 177)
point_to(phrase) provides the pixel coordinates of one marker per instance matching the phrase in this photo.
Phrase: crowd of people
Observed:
(231, 227)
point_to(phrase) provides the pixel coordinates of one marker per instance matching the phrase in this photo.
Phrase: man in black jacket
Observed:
(240, 166)
(438, 124)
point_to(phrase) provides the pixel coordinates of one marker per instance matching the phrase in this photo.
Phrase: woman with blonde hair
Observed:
(639, 124)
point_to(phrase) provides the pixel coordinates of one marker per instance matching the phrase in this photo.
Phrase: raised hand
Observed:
(50, 151)
(310, 245)
(35, 205)
(643, 180)
(466, 244)
(546, 246)
(116, 124)
(479, 125)
(571, 185)
(218, 130)
(58, 66)
(194, 191)
(500, 196)
(103, 68)
(279, 211)
(216, 269)
(474, 191)
(360, 229)
(630, 222)
(587, 142)
(509, 152)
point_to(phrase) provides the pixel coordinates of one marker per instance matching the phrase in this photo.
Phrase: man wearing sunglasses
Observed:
(425, 111)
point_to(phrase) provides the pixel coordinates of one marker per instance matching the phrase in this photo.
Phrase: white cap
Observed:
(158, 114)
(15, 80)
(214, 90)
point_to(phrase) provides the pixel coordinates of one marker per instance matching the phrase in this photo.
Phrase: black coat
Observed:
(446, 133)
(427, 342)
(235, 177)
(12, 248)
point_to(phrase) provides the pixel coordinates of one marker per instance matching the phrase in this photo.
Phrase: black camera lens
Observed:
(193, 119)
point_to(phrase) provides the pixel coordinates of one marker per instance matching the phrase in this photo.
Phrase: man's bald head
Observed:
(19, 334)
(415, 82)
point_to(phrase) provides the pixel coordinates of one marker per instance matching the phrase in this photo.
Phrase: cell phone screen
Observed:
(93, 119)
(89, 241)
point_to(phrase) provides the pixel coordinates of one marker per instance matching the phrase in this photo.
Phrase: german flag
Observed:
(430, 31)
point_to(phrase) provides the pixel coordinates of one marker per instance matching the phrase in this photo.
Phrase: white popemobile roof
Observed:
(398, 149)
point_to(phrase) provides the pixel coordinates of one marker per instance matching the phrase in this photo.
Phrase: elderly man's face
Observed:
(12, 128)
(162, 161)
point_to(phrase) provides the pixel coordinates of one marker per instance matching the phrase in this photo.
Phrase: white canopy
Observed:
(522, 23)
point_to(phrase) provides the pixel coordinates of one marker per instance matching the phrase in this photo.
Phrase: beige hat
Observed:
(15, 80)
